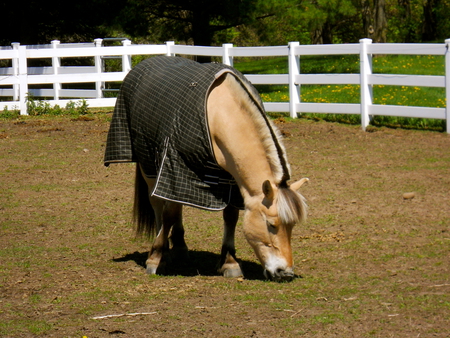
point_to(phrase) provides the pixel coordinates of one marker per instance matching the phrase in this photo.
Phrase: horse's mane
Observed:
(270, 136)
(291, 206)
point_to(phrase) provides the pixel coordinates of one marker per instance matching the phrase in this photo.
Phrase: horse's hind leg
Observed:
(161, 243)
(228, 265)
(179, 248)
(168, 215)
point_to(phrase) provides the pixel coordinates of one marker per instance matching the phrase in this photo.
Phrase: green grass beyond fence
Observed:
(389, 95)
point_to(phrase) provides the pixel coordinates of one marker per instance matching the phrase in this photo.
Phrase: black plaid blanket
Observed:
(160, 122)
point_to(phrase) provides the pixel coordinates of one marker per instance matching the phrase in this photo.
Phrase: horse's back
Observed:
(160, 122)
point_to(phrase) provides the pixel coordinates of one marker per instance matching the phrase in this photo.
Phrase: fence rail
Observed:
(17, 80)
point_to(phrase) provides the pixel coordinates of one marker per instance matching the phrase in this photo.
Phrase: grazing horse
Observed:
(200, 136)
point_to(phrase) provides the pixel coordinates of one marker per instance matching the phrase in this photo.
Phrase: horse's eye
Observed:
(270, 225)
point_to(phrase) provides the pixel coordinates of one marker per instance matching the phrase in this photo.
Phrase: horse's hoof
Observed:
(231, 270)
(233, 273)
(150, 270)
(156, 270)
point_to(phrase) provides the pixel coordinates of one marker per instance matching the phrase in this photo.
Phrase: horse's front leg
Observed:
(155, 262)
(228, 265)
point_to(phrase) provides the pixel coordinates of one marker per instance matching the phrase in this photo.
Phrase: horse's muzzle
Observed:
(280, 275)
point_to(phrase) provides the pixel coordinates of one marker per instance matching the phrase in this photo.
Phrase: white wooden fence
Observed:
(18, 80)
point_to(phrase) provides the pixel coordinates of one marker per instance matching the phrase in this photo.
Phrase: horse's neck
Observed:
(236, 141)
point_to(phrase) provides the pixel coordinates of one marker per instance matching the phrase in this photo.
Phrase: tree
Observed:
(325, 18)
(374, 19)
(244, 22)
(442, 12)
(405, 9)
(429, 29)
(194, 21)
(379, 21)
(190, 21)
(37, 21)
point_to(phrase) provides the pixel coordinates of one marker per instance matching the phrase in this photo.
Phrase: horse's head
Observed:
(268, 223)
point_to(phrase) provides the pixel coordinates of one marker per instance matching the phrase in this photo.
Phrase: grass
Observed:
(35, 327)
(383, 95)
(58, 272)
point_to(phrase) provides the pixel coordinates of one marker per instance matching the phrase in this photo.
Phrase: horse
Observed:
(246, 164)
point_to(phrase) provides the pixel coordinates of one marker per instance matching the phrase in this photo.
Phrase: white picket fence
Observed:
(19, 79)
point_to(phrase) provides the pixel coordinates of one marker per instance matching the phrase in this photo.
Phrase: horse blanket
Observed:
(160, 122)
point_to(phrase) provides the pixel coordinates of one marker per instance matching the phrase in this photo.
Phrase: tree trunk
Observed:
(322, 35)
(408, 35)
(380, 22)
(327, 33)
(316, 36)
(429, 29)
(374, 19)
(201, 32)
(367, 18)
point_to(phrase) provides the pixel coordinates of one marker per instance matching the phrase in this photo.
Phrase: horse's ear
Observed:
(268, 190)
(296, 185)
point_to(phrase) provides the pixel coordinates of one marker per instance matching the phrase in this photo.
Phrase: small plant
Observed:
(9, 114)
(77, 108)
(36, 107)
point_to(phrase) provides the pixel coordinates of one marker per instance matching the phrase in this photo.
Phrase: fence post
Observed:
(56, 64)
(126, 58)
(447, 85)
(168, 45)
(98, 69)
(227, 59)
(294, 70)
(15, 69)
(365, 60)
(23, 80)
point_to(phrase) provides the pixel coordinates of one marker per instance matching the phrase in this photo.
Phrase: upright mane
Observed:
(291, 206)
(270, 136)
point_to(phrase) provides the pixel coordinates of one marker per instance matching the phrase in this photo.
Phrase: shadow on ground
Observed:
(200, 263)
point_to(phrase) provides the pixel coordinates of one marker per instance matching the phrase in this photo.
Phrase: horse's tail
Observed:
(143, 213)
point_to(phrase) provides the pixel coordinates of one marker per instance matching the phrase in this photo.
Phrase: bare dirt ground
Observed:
(369, 262)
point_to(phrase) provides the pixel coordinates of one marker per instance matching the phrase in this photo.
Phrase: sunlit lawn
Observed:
(382, 94)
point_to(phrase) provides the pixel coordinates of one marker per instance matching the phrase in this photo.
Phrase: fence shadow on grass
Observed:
(200, 263)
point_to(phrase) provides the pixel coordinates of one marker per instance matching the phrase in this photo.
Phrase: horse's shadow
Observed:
(200, 263)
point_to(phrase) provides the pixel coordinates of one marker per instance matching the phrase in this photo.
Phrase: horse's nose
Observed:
(287, 274)
(281, 275)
